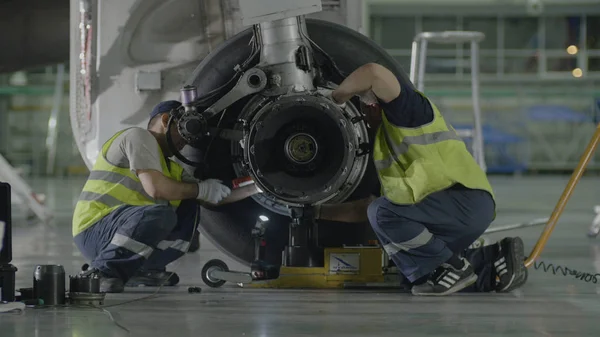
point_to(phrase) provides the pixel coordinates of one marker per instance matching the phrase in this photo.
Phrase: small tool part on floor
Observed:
(85, 290)
(194, 290)
(27, 296)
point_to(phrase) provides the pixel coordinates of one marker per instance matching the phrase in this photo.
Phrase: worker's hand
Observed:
(327, 93)
(368, 98)
(212, 191)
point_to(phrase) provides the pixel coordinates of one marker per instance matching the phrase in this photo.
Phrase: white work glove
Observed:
(212, 190)
(326, 92)
(368, 98)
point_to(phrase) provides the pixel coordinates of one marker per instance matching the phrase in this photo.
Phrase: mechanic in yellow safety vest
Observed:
(434, 199)
(138, 209)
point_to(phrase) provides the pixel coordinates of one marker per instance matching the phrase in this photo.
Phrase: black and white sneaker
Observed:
(509, 266)
(446, 280)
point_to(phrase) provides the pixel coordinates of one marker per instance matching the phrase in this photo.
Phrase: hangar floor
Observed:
(548, 305)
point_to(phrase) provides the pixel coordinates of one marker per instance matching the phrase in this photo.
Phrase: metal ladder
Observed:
(417, 76)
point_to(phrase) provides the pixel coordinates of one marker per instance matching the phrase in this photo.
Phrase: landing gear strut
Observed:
(303, 249)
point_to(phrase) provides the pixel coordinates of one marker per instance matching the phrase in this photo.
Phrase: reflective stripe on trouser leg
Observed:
(134, 233)
(416, 257)
(418, 241)
(122, 241)
(178, 245)
(409, 243)
(177, 242)
(166, 252)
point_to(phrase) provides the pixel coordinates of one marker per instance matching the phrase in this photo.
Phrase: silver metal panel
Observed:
(257, 11)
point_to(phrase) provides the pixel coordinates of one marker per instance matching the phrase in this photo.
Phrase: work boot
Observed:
(446, 280)
(108, 284)
(153, 278)
(509, 265)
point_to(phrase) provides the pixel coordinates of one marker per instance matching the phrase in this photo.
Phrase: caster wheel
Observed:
(208, 268)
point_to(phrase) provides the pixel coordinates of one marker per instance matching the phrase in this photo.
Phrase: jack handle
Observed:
(564, 198)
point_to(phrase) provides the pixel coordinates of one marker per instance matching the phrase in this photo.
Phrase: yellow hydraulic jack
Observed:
(344, 267)
(306, 266)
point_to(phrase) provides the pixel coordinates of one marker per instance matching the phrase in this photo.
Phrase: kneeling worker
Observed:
(138, 209)
(436, 200)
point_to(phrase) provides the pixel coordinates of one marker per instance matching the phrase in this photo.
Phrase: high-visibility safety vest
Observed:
(415, 162)
(109, 187)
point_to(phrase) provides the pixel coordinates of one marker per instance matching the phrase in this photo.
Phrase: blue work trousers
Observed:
(420, 237)
(136, 238)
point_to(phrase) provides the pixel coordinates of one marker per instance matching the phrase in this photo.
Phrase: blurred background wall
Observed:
(540, 77)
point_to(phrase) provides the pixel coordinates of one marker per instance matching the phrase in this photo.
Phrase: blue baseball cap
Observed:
(164, 107)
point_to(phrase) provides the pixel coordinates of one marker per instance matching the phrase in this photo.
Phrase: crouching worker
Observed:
(436, 201)
(498, 265)
(138, 209)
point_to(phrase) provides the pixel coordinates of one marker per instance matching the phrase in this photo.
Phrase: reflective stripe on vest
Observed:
(398, 150)
(117, 178)
(414, 162)
(109, 187)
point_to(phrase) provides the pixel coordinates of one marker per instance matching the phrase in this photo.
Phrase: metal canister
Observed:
(49, 284)
(189, 94)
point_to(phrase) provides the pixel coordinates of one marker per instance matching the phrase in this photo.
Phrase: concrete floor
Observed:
(548, 305)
